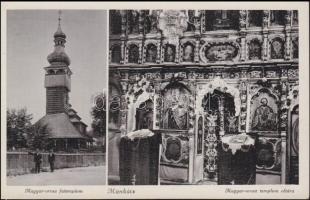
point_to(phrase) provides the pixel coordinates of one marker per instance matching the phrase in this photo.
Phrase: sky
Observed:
(30, 41)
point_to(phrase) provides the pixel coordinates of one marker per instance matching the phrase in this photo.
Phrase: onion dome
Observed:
(59, 56)
(59, 33)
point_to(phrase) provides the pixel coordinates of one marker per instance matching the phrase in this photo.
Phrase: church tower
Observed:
(58, 76)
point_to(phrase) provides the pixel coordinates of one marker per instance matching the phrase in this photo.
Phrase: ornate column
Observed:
(140, 53)
(288, 28)
(221, 110)
(196, 51)
(211, 145)
(266, 14)
(177, 53)
(242, 25)
(202, 21)
(123, 37)
(243, 97)
(191, 131)
(124, 23)
(162, 51)
(141, 25)
(158, 106)
(123, 107)
(191, 107)
(197, 22)
(123, 54)
(158, 56)
(283, 156)
(283, 121)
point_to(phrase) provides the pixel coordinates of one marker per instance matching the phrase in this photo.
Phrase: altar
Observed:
(237, 160)
(198, 76)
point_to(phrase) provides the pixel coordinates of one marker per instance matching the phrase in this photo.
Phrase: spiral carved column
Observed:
(283, 122)
(124, 108)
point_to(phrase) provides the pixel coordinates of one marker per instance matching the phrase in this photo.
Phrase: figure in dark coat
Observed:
(51, 160)
(37, 158)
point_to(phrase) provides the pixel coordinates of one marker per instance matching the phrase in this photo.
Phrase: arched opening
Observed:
(170, 53)
(133, 54)
(116, 54)
(175, 107)
(255, 50)
(277, 49)
(151, 53)
(188, 53)
(144, 115)
(219, 109)
(220, 105)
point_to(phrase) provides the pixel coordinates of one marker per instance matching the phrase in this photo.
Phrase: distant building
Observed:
(64, 126)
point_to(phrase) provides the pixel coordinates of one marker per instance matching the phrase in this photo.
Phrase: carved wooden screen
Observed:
(175, 109)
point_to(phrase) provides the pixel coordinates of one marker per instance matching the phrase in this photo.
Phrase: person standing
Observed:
(37, 158)
(51, 159)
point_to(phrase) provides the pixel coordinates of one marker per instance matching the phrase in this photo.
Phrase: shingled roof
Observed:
(59, 126)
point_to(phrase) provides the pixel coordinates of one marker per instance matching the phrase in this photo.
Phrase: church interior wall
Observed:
(259, 62)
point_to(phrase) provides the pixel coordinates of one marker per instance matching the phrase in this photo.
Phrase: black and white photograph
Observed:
(56, 115)
(203, 97)
(155, 100)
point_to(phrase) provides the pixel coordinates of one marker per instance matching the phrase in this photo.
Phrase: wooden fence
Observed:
(22, 163)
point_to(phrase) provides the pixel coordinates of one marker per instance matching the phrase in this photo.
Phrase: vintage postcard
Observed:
(155, 100)
(55, 104)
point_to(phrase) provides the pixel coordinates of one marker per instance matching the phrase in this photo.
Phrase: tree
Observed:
(98, 113)
(19, 128)
(39, 140)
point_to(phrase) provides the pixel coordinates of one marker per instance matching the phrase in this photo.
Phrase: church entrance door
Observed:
(219, 111)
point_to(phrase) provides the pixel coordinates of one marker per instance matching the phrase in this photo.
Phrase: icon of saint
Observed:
(264, 117)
